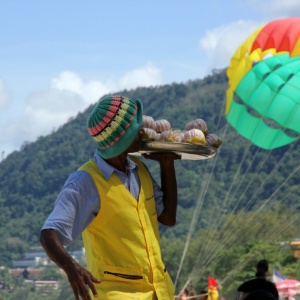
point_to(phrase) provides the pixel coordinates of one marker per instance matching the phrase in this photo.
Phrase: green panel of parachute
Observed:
(266, 104)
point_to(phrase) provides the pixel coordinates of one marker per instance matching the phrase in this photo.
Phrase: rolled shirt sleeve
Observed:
(76, 206)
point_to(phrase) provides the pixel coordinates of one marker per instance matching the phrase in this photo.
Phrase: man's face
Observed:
(135, 146)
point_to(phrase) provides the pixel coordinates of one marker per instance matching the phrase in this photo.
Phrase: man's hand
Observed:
(81, 280)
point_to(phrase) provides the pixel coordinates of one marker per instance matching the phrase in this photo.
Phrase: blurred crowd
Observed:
(256, 288)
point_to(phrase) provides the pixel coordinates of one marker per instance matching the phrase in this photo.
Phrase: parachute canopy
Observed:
(263, 97)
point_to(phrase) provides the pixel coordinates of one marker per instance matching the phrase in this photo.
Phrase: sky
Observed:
(57, 57)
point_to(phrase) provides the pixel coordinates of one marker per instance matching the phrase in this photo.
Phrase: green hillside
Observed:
(220, 191)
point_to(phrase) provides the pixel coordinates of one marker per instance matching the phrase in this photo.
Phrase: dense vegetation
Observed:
(231, 264)
(220, 200)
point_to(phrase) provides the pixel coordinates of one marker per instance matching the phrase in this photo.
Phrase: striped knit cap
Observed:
(114, 123)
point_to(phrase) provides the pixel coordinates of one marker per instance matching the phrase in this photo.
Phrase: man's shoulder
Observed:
(258, 284)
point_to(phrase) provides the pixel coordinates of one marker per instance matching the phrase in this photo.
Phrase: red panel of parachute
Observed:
(279, 34)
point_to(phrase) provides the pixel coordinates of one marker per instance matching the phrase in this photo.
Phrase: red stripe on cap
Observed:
(114, 107)
(118, 98)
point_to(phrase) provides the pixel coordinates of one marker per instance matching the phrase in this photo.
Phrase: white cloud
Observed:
(220, 43)
(5, 97)
(11, 140)
(48, 110)
(44, 112)
(89, 91)
(67, 95)
(146, 76)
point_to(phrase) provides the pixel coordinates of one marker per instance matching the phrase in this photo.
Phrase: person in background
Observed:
(262, 269)
(114, 202)
(203, 295)
(260, 295)
(212, 289)
(259, 283)
(184, 295)
(191, 291)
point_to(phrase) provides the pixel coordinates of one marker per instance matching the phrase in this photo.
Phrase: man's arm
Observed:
(168, 186)
(79, 278)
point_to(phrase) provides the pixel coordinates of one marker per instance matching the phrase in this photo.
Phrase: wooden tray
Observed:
(185, 150)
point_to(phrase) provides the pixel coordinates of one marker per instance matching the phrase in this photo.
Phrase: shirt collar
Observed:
(107, 169)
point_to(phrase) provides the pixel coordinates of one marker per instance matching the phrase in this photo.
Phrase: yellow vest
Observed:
(122, 242)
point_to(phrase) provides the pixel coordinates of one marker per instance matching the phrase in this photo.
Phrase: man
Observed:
(260, 295)
(116, 205)
(259, 283)
(203, 295)
(184, 294)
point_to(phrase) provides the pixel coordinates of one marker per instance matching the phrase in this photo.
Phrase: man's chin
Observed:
(134, 148)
